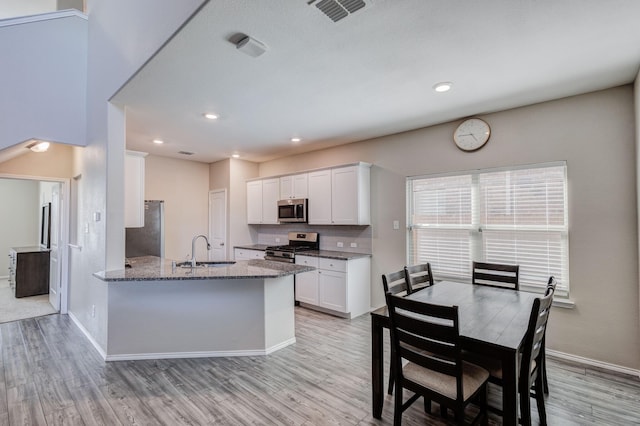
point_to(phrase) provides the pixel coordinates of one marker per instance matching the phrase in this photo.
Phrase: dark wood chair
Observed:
(394, 283)
(418, 277)
(551, 288)
(532, 373)
(496, 275)
(428, 337)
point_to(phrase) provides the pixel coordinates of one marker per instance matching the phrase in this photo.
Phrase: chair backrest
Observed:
(533, 348)
(395, 283)
(418, 276)
(427, 335)
(496, 275)
(551, 285)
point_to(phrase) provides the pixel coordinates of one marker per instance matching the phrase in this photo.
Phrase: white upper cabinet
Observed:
(254, 202)
(270, 197)
(134, 189)
(319, 198)
(350, 195)
(262, 201)
(340, 196)
(294, 186)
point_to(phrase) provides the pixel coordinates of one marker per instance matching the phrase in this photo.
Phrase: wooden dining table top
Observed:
(490, 315)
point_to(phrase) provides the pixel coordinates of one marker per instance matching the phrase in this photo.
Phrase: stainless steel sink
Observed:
(211, 264)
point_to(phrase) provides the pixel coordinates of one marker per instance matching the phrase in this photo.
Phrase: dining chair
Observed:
(394, 283)
(551, 287)
(496, 275)
(531, 375)
(426, 338)
(418, 276)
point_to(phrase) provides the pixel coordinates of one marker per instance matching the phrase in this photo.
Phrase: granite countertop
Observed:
(261, 247)
(151, 268)
(329, 254)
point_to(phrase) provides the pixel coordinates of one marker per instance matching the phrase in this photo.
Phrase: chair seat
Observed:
(473, 377)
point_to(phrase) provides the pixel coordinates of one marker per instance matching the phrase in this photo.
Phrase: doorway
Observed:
(27, 227)
(218, 224)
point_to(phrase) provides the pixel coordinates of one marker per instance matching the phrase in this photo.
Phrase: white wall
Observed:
(595, 133)
(43, 81)
(20, 213)
(184, 187)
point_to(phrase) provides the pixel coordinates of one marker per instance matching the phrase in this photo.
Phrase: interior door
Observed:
(54, 255)
(218, 224)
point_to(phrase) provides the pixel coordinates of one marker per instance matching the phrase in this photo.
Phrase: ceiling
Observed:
(369, 74)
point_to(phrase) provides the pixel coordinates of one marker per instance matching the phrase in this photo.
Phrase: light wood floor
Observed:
(50, 375)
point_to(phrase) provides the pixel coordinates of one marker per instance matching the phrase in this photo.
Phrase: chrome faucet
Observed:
(193, 248)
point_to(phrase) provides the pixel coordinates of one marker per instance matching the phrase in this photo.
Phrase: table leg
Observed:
(510, 389)
(377, 366)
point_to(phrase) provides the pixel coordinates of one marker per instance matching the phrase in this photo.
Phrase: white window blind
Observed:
(516, 216)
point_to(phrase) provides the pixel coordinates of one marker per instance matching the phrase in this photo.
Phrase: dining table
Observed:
(493, 323)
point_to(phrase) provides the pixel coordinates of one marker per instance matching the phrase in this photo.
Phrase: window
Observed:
(515, 216)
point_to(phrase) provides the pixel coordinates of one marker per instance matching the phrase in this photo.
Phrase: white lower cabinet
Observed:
(341, 287)
(247, 254)
(307, 282)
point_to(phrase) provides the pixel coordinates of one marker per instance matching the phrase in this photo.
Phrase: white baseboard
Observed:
(200, 354)
(4, 277)
(593, 363)
(88, 335)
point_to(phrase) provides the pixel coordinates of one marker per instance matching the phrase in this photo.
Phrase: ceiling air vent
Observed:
(185, 152)
(338, 9)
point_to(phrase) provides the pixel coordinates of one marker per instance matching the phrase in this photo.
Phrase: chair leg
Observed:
(483, 406)
(391, 381)
(397, 407)
(525, 405)
(427, 405)
(542, 412)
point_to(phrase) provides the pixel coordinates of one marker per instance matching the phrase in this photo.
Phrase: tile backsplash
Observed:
(330, 236)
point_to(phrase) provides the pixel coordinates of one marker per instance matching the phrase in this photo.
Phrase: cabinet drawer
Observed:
(332, 265)
(307, 261)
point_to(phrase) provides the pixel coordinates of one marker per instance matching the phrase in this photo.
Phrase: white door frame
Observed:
(226, 236)
(64, 232)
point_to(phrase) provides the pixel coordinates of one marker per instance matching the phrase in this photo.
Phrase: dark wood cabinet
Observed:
(29, 271)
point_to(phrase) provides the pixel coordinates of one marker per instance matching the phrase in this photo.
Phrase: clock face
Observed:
(472, 134)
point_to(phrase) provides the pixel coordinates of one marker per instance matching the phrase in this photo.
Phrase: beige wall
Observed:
(595, 134)
(56, 162)
(184, 187)
(20, 213)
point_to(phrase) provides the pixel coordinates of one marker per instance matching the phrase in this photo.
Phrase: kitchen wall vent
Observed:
(339, 9)
(185, 153)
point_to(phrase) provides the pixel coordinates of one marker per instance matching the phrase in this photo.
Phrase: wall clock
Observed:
(471, 134)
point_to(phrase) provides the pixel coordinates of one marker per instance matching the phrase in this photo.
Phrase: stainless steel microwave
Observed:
(294, 210)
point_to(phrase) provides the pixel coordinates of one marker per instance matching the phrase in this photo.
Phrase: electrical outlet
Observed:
(93, 311)
(396, 224)
(354, 245)
(86, 228)
(277, 240)
(340, 244)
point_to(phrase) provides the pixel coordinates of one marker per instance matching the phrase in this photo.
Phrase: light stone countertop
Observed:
(152, 268)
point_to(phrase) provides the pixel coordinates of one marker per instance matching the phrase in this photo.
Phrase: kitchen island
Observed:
(157, 311)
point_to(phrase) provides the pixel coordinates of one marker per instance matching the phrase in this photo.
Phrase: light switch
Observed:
(96, 217)
(340, 244)
(86, 228)
(396, 224)
(354, 245)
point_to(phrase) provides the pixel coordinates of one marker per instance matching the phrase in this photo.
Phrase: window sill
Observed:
(563, 303)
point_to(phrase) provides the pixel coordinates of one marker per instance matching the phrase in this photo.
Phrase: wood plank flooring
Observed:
(51, 375)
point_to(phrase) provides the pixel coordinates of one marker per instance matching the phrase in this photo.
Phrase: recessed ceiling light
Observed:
(210, 116)
(444, 86)
(158, 141)
(235, 155)
(295, 139)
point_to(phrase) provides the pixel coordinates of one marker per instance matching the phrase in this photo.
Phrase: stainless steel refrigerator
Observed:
(148, 240)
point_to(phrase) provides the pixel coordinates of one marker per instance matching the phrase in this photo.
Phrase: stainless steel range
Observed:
(298, 242)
